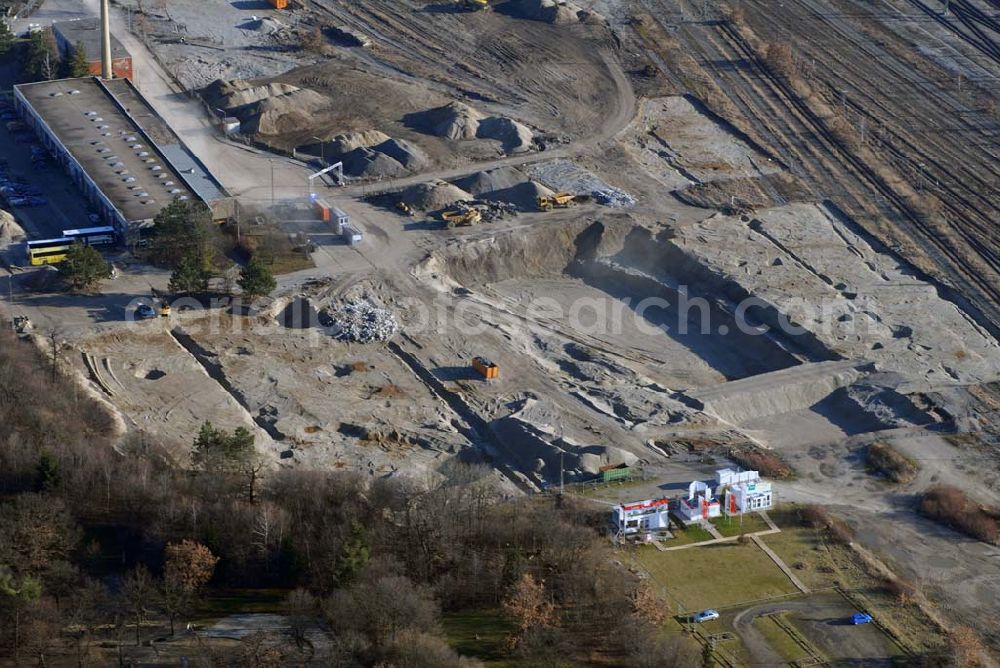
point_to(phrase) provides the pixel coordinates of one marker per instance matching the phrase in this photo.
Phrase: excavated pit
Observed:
(632, 291)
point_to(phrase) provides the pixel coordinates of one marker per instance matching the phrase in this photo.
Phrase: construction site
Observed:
(584, 236)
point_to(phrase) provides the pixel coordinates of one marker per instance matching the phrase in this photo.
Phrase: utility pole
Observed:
(562, 485)
(10, 293)
(271, 163)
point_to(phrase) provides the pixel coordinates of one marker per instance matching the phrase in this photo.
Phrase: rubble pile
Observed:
(566, 176)
(361, 321)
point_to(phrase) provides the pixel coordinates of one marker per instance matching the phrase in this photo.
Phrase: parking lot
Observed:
(32, 186)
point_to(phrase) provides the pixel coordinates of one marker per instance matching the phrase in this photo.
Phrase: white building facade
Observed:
(640, 517)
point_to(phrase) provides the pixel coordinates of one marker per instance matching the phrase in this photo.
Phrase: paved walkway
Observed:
(780, 564)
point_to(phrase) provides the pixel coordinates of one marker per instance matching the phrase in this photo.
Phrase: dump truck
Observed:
(461, 217)
(486, 368)
(557, 200)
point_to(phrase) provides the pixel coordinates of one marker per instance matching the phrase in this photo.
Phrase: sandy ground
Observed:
(589, 373)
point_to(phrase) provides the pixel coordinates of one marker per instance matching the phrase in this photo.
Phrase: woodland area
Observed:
(106, 545)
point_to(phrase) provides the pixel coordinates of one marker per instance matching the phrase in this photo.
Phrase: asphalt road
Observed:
(823, 619)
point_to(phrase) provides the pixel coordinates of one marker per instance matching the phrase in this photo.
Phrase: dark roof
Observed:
(114, 151)
(88, 31)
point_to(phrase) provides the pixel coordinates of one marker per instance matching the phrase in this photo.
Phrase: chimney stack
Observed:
(106, 72)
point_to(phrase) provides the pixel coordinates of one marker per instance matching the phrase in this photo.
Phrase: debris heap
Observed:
(361, 321)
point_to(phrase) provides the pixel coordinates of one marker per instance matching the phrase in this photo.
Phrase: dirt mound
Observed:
(404, 153)
(299, 314)
(515, 137)
(271, 109)
(452, 121)
(267, 25)
(548, 11)
(346, 143)
(364, 162)
(230, 95)
(523, 195)
(10, 231)
(500, 178)
(284, 113)
(434, 196)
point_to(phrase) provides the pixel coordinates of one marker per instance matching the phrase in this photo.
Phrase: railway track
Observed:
(964, 180)
(968, 179)
(973, 20)
(943, 253)
(770, 97)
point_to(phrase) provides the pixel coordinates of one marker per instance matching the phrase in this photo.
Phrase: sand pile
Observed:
(346, 143)
(434, 196)
(366, 163)
(523, 195)
(549, 11)
(271, 109)
(500, 178)
(515, 137)
(452, 121)
(267, 25)
(284, 113)
(404, 153)
(10, 231)
(230, 95)
(460, 121)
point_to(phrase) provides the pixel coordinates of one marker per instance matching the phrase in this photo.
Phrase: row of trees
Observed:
(41, 60)
(184, 242)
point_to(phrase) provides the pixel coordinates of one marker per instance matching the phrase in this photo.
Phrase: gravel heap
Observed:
(361, 321)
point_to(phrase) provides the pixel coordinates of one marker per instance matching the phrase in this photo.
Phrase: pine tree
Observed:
(41, 61)
(78, 65)
(84, 267)
(181, 228)
(256, 279)
(191, 275)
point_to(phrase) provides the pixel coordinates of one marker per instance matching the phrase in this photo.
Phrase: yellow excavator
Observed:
(461, 217)
(557, 200)
(476, 5)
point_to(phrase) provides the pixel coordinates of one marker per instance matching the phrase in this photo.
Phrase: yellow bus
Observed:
(48, 251)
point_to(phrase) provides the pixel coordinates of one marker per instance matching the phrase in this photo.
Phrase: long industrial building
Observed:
(118, 150)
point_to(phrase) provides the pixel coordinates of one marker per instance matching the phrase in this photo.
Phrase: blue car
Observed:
(144, 312)
(861, 618)
(705, 616)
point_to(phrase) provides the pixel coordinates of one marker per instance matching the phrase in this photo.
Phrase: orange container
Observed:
(279, 4)
(324, 210)
(488, 369)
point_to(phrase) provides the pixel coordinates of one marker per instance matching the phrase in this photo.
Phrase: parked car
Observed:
(705, 616)
(861, 618)
(144, 312)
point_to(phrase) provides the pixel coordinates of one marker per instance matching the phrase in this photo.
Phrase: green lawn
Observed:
(715, 576)
(690, 534)
(479, 634)
(733, 526)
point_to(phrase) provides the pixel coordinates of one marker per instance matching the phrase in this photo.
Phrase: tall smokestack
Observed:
(106, 40)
